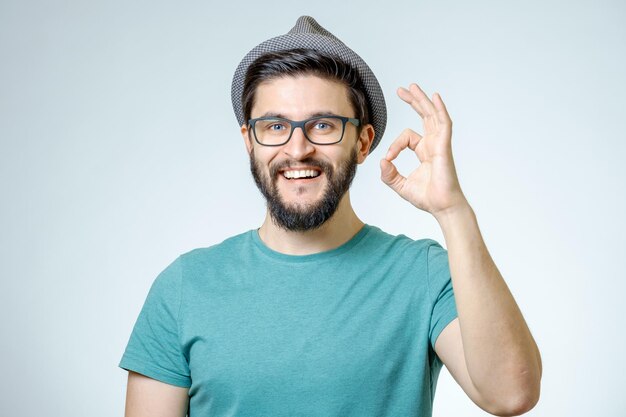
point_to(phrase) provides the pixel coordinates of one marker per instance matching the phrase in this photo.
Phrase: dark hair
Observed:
(302, 61)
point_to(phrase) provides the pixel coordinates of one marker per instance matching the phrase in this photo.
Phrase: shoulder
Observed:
(401, 243)
(196, 264)
(228, 248)
(168, 284)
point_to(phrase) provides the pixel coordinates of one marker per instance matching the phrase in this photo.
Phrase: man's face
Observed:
(304, 203)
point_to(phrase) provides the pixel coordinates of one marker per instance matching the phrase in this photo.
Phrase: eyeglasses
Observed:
(320, 130)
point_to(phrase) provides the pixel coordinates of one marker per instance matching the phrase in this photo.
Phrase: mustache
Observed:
(288, 163)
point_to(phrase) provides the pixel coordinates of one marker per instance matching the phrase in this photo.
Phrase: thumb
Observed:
(390, 175)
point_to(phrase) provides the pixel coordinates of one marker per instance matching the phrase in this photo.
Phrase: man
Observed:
(316, 313)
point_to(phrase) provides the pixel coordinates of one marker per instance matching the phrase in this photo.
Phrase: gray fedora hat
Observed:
(307, 33)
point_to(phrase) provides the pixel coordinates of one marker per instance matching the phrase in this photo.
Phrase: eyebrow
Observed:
(316, 114)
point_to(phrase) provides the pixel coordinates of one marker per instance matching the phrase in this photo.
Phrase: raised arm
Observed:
(489, 349)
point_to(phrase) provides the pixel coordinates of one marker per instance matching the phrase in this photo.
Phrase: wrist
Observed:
(459, 213)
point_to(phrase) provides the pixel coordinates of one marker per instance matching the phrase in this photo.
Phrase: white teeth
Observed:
(301, 174)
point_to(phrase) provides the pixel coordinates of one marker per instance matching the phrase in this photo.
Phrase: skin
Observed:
(297, 98)
(488, 349)
(147, 397)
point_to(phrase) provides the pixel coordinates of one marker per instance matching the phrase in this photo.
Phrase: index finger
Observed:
(407, 139)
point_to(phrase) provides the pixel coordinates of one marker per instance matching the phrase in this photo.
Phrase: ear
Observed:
(364, 142)
(245, 134)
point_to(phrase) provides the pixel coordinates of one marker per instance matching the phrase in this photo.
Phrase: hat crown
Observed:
(306, 24)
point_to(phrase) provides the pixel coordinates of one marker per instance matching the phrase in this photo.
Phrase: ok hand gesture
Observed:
(433, 186)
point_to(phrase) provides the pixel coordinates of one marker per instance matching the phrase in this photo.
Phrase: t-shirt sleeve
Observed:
(154, 347)
(441, 292)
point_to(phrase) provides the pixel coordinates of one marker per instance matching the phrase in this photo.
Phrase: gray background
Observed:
(119, 151)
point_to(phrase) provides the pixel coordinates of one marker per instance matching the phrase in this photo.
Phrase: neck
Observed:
(336, 231)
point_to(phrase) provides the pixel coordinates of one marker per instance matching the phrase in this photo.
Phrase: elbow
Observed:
(521, 403)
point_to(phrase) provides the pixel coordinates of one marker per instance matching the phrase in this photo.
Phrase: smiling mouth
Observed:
(301, 174)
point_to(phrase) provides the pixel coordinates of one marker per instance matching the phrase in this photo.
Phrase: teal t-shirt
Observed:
(254, 332)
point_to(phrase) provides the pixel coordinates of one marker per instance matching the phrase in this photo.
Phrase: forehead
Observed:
(297, 97)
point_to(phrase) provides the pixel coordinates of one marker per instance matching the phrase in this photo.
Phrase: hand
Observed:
(433, 186)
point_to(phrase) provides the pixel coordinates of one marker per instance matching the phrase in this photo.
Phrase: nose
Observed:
(298, 146)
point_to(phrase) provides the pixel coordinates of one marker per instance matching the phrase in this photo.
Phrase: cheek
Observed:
(265, 162)
(262, 156)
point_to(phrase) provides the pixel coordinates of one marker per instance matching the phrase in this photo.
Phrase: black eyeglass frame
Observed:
(294, 124)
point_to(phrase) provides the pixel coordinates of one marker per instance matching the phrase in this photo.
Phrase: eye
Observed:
(273, 126)
(324, 124)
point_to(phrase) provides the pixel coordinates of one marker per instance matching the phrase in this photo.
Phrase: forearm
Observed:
(502, 358)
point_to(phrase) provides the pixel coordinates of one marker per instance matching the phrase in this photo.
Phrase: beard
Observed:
(302, 217)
